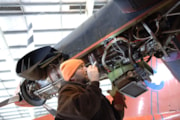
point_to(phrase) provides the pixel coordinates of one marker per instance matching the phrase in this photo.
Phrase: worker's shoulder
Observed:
(73, 84)
(68, 86)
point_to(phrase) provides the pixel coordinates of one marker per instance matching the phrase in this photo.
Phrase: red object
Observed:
(23, 103)
(118, 100)
(46, 117)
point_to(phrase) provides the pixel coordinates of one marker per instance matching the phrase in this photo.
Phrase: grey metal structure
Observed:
(26, 25)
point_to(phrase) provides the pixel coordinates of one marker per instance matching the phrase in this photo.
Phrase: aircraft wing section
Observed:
(108, 22)
(10, 100)
(50, 109)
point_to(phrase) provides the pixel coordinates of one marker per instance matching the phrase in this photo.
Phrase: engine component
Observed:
(27, 88)
(32, 65)
(49, 87)
(121, 57)
(128, 78)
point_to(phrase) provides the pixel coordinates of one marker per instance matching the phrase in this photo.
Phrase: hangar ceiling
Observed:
(41, 23)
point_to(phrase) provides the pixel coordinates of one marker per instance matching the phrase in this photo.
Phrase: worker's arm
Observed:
(75, 100)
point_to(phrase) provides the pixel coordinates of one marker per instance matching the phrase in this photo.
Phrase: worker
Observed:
(80, 97)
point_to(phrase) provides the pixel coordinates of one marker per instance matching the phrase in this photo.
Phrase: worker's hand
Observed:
(93, 73)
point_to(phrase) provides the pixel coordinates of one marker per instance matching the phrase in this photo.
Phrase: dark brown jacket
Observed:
(84, 102)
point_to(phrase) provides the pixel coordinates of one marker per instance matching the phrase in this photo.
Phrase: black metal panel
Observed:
(173, 64)
(128, 6)
(174, 68)
(107, 20)
(27, 66)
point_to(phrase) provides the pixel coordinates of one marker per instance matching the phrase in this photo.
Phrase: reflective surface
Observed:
(161, 102)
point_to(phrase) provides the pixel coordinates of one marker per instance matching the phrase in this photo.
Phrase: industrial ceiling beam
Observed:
(89, 7)
(41, 13)
(48, 3)
(38, 30)
(9, 59)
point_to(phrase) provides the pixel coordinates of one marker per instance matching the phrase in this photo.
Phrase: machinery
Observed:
(122, 38)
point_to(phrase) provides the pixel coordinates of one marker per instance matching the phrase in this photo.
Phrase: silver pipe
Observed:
(154, 37)
(47, 88)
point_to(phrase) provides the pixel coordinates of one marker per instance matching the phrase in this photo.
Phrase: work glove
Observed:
(118, 99)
